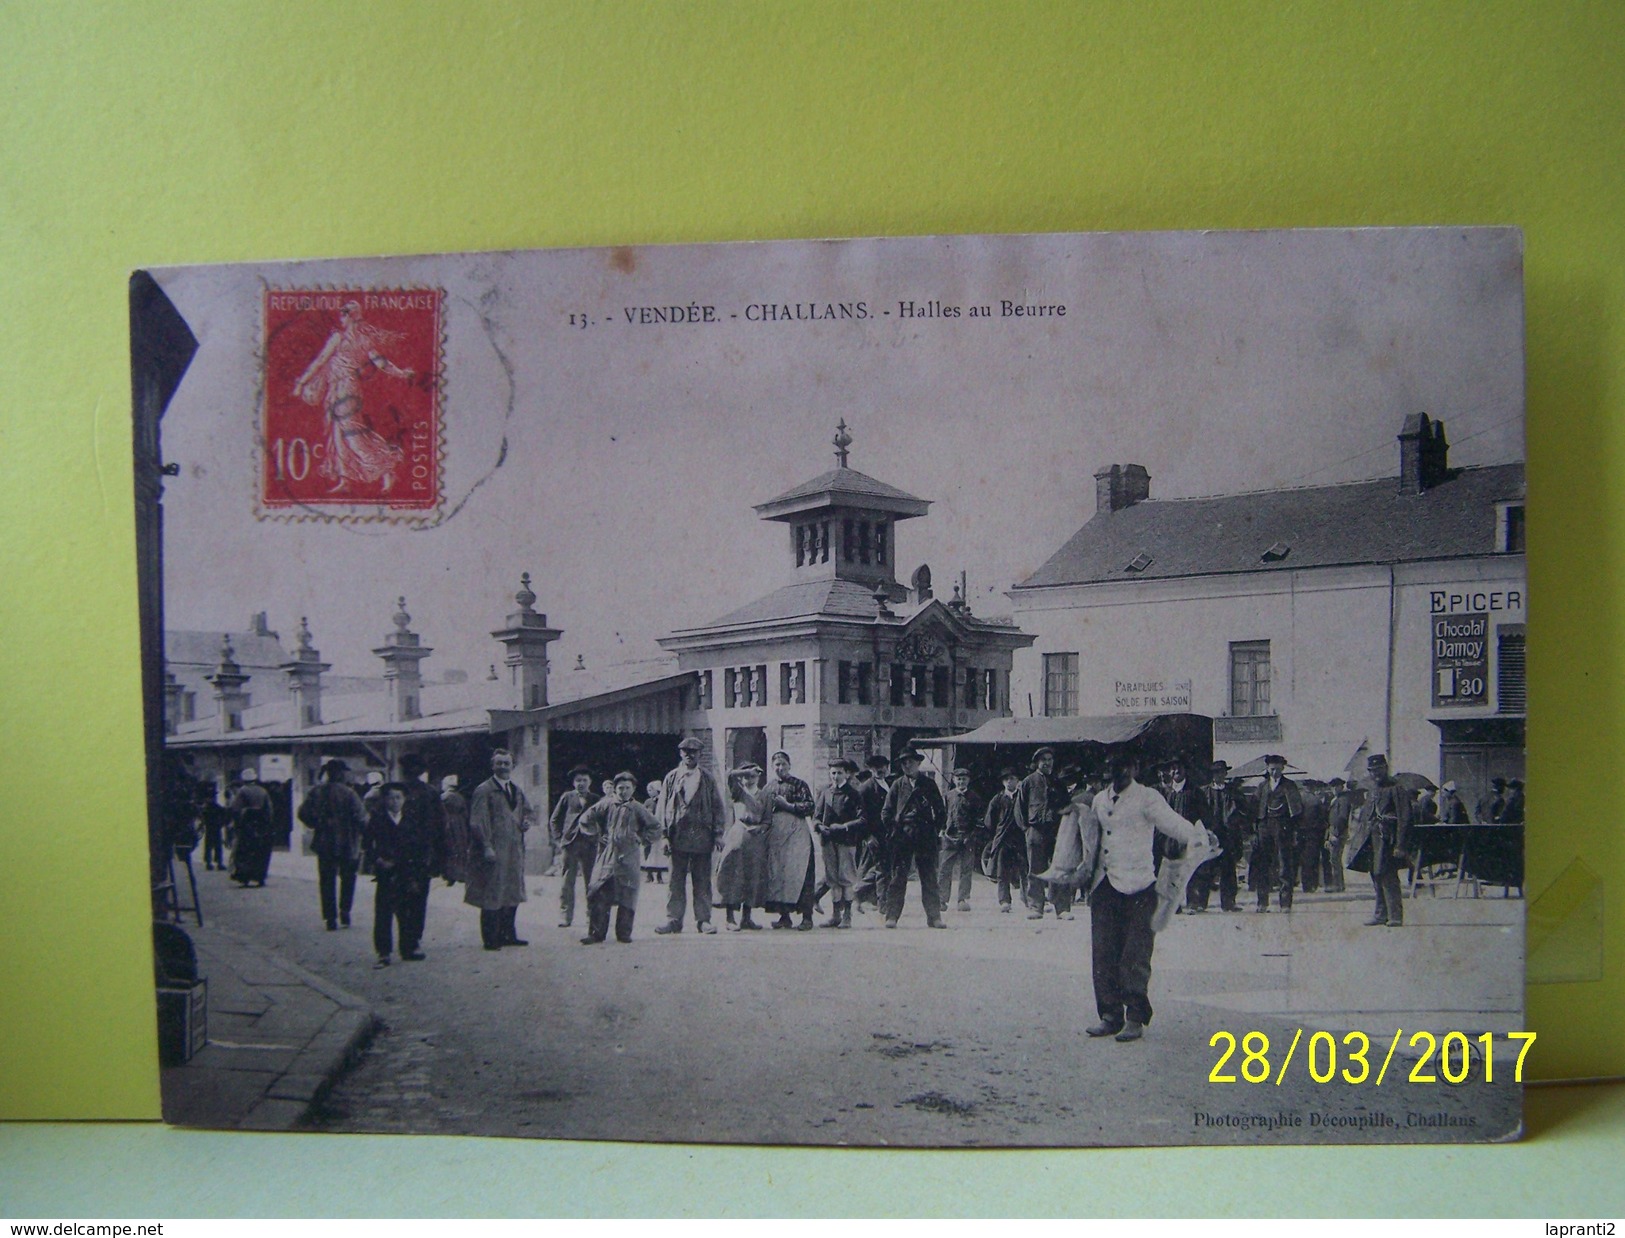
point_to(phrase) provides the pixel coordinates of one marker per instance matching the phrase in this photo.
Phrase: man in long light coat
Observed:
(498, 817)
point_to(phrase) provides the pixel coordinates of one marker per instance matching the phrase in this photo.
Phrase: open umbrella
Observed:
(1255, 769)
(1415, 782)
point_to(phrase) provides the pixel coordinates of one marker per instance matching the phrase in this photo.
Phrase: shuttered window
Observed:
(1511, 685)
(1249, 678)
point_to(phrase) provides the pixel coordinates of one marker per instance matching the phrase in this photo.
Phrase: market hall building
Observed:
(282, 723)
(843, 660)
(1325, 623)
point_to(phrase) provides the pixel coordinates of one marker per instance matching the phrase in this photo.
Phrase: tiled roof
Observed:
(1321, 526)
(838, 599)
(203, 648)
(843, 482)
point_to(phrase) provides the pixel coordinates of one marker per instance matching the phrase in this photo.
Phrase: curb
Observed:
(334, 1047)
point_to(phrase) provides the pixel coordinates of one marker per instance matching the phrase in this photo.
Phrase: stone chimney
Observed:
(527, 637)
(1121, 486)
(401, 652)
(259, 623)
(305, 678)
(1424, 455)
(228, 680)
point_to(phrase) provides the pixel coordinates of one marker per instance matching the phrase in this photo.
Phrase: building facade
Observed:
(844, 660)
(1325, 623)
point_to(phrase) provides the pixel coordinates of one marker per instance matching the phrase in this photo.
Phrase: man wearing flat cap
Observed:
(841, 823)
(693, 814)
(622, 827)
(1040, 800)
(910, 821)
(575, 842)
(959, 839)
(1380, 842)
(336, 819)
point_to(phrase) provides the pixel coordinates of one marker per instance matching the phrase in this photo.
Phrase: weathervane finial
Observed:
(842, 441)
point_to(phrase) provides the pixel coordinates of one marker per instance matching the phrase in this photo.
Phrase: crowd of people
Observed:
(763, 842)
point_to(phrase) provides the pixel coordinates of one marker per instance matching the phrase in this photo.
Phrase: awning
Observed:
(1112, 729)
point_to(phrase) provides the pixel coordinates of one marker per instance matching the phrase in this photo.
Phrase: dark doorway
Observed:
(747, 745)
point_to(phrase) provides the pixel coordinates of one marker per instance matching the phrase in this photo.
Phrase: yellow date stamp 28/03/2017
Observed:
(1451, 1058)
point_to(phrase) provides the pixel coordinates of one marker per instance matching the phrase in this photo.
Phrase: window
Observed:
(758, 685)
(863, 541)
(1249, 678)
(991, 695)
(853, 682)
(1060, 685)
(880, 543)
(792, 683)
(899, 683)
(973, 687)
(1509, 531)
(865, 676)
(849, 541)
(940, 696)
(1511, 685)
(798, 537)
(705, 689)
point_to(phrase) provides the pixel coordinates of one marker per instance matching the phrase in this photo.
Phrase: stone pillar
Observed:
(401, 652)
(526, 637)
(230, 698)
(305, 679)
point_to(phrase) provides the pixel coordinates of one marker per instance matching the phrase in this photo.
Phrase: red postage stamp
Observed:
(353, 414)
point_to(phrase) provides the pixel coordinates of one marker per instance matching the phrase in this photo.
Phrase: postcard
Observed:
(986, 691)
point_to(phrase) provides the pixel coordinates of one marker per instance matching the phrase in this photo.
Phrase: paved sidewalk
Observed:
(278, 1037)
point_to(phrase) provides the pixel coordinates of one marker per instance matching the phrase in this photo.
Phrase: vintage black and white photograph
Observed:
(970, 691)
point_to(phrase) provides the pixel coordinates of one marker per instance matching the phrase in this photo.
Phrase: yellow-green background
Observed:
(145, 134)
